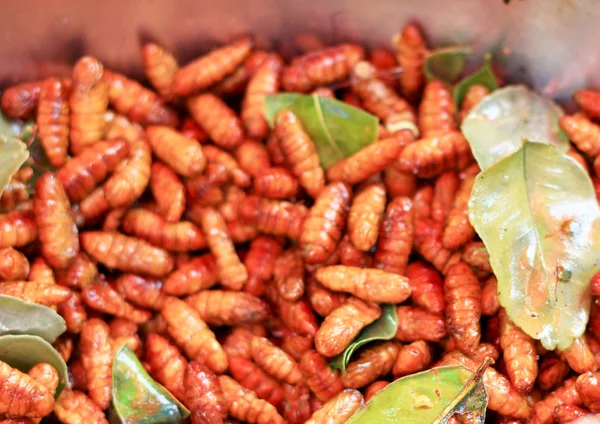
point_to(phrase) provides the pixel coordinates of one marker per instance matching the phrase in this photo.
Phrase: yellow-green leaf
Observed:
(20, 317)
(497, 126)
(13, 153)
(485, 76)
(428, 397)
(384, 328)
(446, 64)
(337, 129)
(24, 351)
(537, 213)
(137, 398)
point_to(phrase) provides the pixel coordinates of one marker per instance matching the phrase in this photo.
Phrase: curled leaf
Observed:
(384, 328)
(497, 126)
(137, 398)
(24, 351)
(431, 396)
(537, 213)
(485, 76)
(337, 129)
(20, 317)
(13, 153)
(446, 64)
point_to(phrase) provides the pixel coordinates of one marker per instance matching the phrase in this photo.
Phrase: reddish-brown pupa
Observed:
(198, 274)
(288, 273)
(260, 262)
(322, 380)
(104, 298)
(321, 67)
(365, 216)
(73, 312)
(210, 68)
(276, 183)
(53, 120)
(473, 96)
(298, 315)
(13, 265)
(324, 225)
(218, 120)
(300, 153)
(220, 307)
(253, 157)
(252, 377)
(203, 393)
(459, 230)
(372, 363)
(88, 102)
(274, 217)
(57, 230)
(97, 361)
(395, 237)
(410, 54)
(167, 364)
(338, 409)
(74, 406)
(437, 110)
(160, 67)
(137, 102)
(182, 154)
(20, 100)
(244, 404)
(419, 324)
(427, 287)
(413, 358)
(143, 292)
(323, 300)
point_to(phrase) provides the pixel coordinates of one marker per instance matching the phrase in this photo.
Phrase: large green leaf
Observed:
(20, 317)
(537, 213)
(25, 351)
(384, 328)
(497, 126)
(446, 64)
(337, 129)
(428, 397)
(485, 76)
(137, 398)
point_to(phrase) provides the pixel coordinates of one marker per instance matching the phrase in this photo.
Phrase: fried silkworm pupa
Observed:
(300, 152)
(519, 354)
(552, 372)
(252, 377)
(321, 67)
(73, 312)
(370, 160)
(276, 183)
(203, 394)
(182, 154)
(41, 272)
(127, 254)
(419, 324)
(253, 157)
(17, 228)
(13, 265)
(275, 217)
(324, 225)
(74, 406)
(182, 236)
(243, 404)
(350, 255)
(53, 120)
(231, 270)
(96, 358)
(88, 102)
(193, 335)
(338, 409)
(260, 263)
(323, 300)
(160, 67)
(343, 324)
(57, 231)
(23, 396)
(104, 298)
(167, 364)
(579, 356)
(372, 363)
(219, 307)
(582, 132)
(371, 285)
(410, 53)
(427, 287)
(83, 271)
(374, 388)
(567, 394)
(569, 413)
(265, 81)
(20, 100)
(297, 316)
(462, 294)
(473, 96)
(237, 341)
(137, 102)
(288, 274)
(34, 292)
(437, 110)
(324, 382)
(198, 274)
(211, 68)
(218, 120)
(141, 291)
(365, 216)
(458, 229)
(82, 174)
(168, 192)
(275, 361)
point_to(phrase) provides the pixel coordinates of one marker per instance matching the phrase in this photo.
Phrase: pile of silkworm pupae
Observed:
(176, 221)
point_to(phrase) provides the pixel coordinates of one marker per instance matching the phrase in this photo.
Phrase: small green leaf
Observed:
(497, 126)
(384, 328)
(137, 398)
(537, 213)
(428, 397)
(485, 76)
(24, 351)
(20, 317)
(446, 64)
(337, 129)
(13, 153)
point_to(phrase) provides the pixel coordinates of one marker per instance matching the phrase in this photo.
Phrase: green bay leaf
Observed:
(137, 398)
(428, 397)
(13, 153)
(20, 317)
(537, 213)
(337, 129)
(384, 328)
(497, 126)
(24, 351)
(485, 76)
(446, 64)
